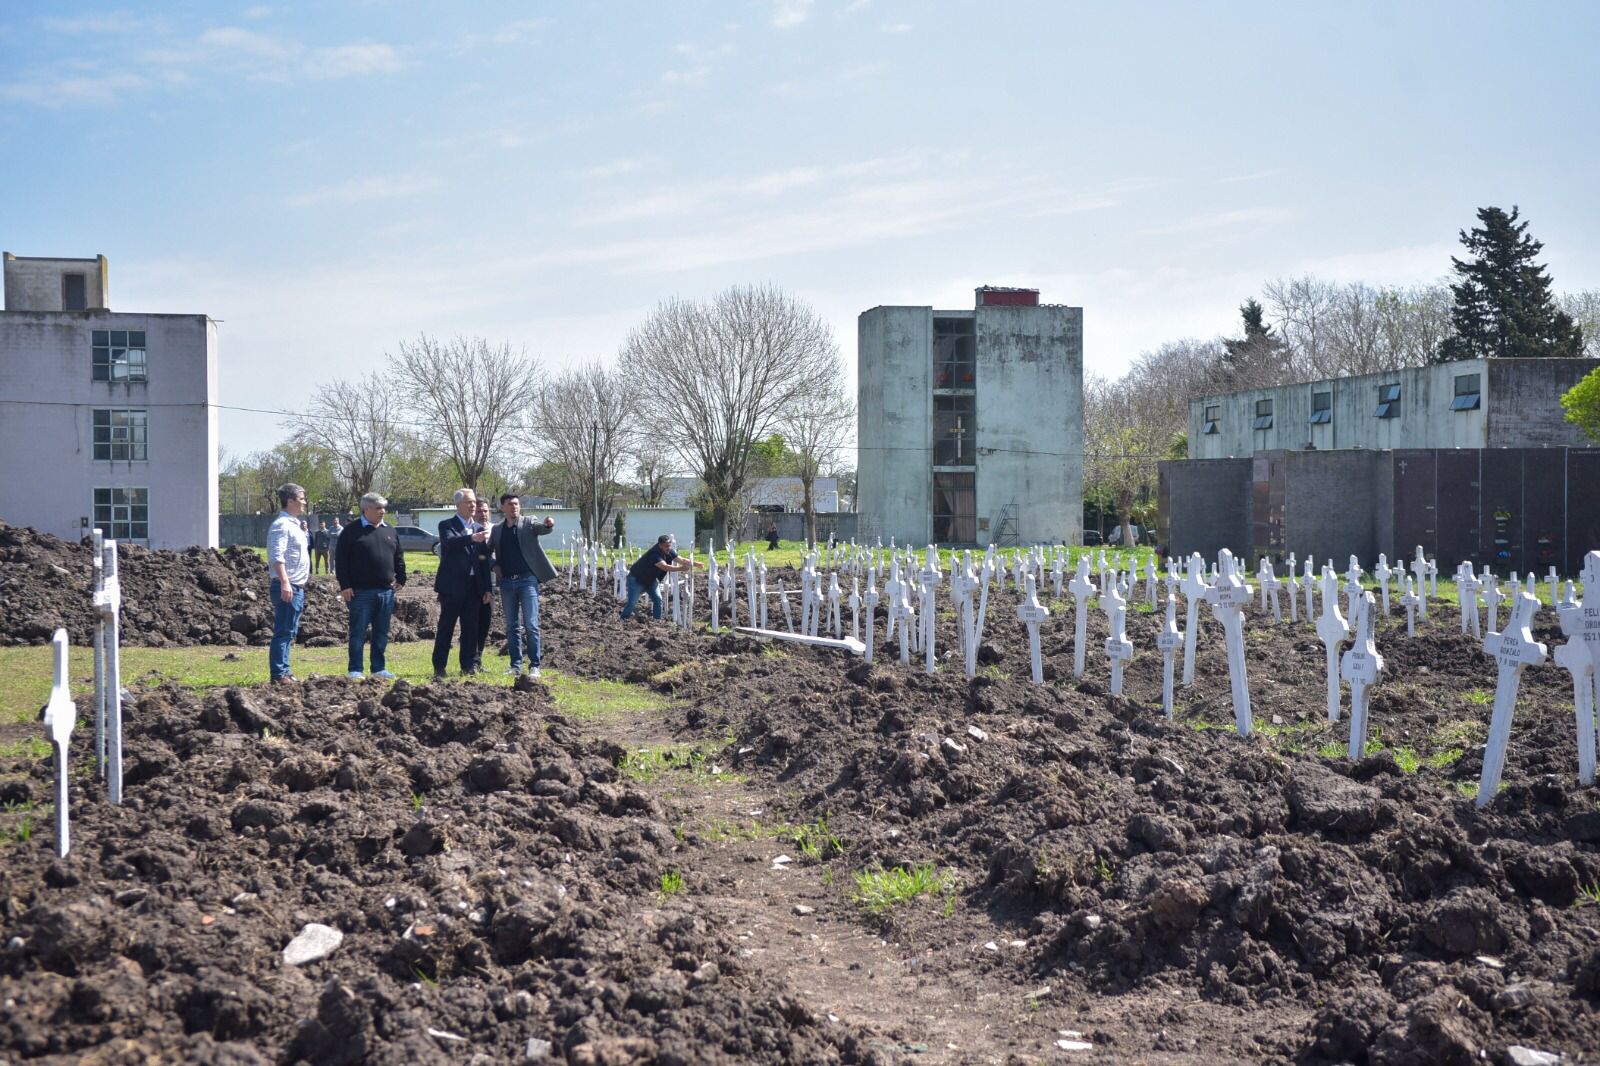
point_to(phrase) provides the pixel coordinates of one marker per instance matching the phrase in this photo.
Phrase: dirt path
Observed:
(940, 980)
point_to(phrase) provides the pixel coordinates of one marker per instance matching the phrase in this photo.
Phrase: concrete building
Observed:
(106, 418)
(1476, 403)
(971, 422)
(774, 494)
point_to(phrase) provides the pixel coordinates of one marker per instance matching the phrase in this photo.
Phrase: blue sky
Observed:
(330, 178)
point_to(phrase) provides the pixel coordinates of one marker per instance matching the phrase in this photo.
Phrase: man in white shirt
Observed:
(289, 564)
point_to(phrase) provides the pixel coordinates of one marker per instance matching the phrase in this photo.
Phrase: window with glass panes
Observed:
(121, 435)
(123, 514)
(955, 508)
(1321, 408)
(955, 431)
(119, 355)
(1263, 414)
(1467, 395)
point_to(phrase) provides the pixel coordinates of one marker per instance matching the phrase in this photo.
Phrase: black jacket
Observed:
(463, 563)
(369, 557)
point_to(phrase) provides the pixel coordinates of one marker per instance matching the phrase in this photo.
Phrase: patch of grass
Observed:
(24, 830)
(1480, 696)
(878, 889)
(815, 842)
(1468, 789)
(416, 801)
(1102, 870)
(1333, 750)
(671, 884)
(580, 698)
(647, 765)
(1443, 760)
(1407, 759)
(1588, 895)
(31, 748)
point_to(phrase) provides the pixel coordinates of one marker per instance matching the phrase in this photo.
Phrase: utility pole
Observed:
(594, 478)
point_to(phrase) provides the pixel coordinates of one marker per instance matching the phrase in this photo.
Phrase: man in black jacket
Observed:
(484, 562)
(371, 566)
(458, 584)
(520, 565)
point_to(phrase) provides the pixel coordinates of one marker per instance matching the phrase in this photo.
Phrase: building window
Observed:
(119, 355)
(955, 431)
(1388, 402)
(121, 436)
(1210, 420)
(955, 508)
(1263, 414)
(74, 292)
(955, 346)
(1467, 393)
(123, 514)
(1321, 408)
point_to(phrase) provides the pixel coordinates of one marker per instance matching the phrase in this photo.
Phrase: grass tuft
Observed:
(815, 842)
(878, 889)
(671, 884)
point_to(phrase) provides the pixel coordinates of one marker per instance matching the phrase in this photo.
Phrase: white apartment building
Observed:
(107, 418)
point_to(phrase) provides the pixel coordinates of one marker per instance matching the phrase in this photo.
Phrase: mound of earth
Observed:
(1132, 853)
(194, 596)
(337, 873)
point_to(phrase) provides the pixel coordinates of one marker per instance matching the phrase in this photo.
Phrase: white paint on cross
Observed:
(1409, 602)
(1082, 588)
(1419, 571)
(1119, 649)
(1030, 613)
(1194, 591)
(1514, 650)
(108, 603)
(60, 716)
(1383, 574)
(1580, 657)
(1227, 598)
(1360, 667)
(1168, 641)
(1332, 629)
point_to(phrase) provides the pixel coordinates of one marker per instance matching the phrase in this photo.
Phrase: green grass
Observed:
(1443, 760)
(878, 889)
(416, 562)
(1333, 750)
(32, 748)
(649, 765)
(25, 674)
(671, 884)
(1480, 696)
(1588, 895)
(815, 841)
(1468, 789)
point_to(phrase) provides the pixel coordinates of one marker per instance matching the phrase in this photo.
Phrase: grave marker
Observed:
(1491, 598)
(1580, 657)
(60, 715)
(1194, 590)
(1227, 598)
(1308, 583)
(1294, 590)
(1419, 571)
(1467, 592)
(1383, 574)
(1119, 649)
(1360, 667)
(1030, 613)
(1081, 588)
(1168, 640)
(1332, 629)
(1514, 650)
(99, 657)
(1409, 602)
(108, 601)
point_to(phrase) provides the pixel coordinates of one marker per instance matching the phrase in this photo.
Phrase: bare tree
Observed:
(1123, 440)
(355, 422)
(725, 372)
(582, 423)
(470, 394)
(1584, 309)
(816, 428)
(651, 469)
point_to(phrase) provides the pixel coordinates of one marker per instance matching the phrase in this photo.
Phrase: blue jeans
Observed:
(519, 598)
(285, 624)
(370, 607)
(635, 589)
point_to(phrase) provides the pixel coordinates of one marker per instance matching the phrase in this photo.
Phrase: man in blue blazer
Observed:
(462, 584)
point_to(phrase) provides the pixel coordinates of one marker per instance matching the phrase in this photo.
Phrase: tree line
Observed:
(1499, 304)
(699, 387)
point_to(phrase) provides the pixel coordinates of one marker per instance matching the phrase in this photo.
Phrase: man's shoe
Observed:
(285, 679)
(533, 671)
(355, 675)
(512, 671)
(385, 674)
(437, 677)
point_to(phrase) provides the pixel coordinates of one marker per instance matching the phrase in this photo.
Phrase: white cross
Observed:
(1492, 596)
(1030, 613)
(930, 582)
(1168, 640)
(1082, 588)
(60, 715)
(1294, 589)
(1308, 583)
(1332, 628)
(1227, 597)
(871, 600)
(1514, 650)
(1360, 667)
(1580, 657)
(1194, 590)
(1383, 574)
(108, 603)
(1119, 649)
(1467, 592)
(1409, 602)
(1419, 570)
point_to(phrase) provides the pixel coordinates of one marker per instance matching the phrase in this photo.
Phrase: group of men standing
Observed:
(369, 561)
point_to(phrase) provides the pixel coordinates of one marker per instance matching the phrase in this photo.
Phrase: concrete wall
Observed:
(48, 474)
(1526, 412)
(895, 421)
(792, 526)
(1205, 506)
(34, 283)
(1519, 406)
(1030, 421)
(1337, 504)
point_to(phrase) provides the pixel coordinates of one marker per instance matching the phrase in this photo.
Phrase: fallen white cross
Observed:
(1361, 666)
(849, 644)
(1514, 649)
(1227, 597)
(60, 715)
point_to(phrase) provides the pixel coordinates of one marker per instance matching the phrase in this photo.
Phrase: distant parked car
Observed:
(1092, 537)
(415, 539)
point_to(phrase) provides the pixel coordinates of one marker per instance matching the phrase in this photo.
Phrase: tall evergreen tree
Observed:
(1260, 358)
(1503, 307)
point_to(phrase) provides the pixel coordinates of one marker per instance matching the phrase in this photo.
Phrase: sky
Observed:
(330, 178)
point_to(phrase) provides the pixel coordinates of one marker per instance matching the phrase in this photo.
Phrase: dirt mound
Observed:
(194, 596)
(496, 882)
(1133, 853)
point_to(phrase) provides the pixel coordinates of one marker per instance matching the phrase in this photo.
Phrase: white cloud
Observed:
(1218, 220)
(54, 89)
(113, 22)
(365, 190)
(692, 76)
(1258, 175)
(352, 60)
(896, 27)
(259, 11)
(614, 168)
(787, 14)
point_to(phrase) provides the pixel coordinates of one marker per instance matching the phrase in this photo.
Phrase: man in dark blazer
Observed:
(460, 584)
(519, 566)
(484, 563)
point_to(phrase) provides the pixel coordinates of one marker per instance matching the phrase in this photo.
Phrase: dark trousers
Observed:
(454, 610)
(485, 623)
